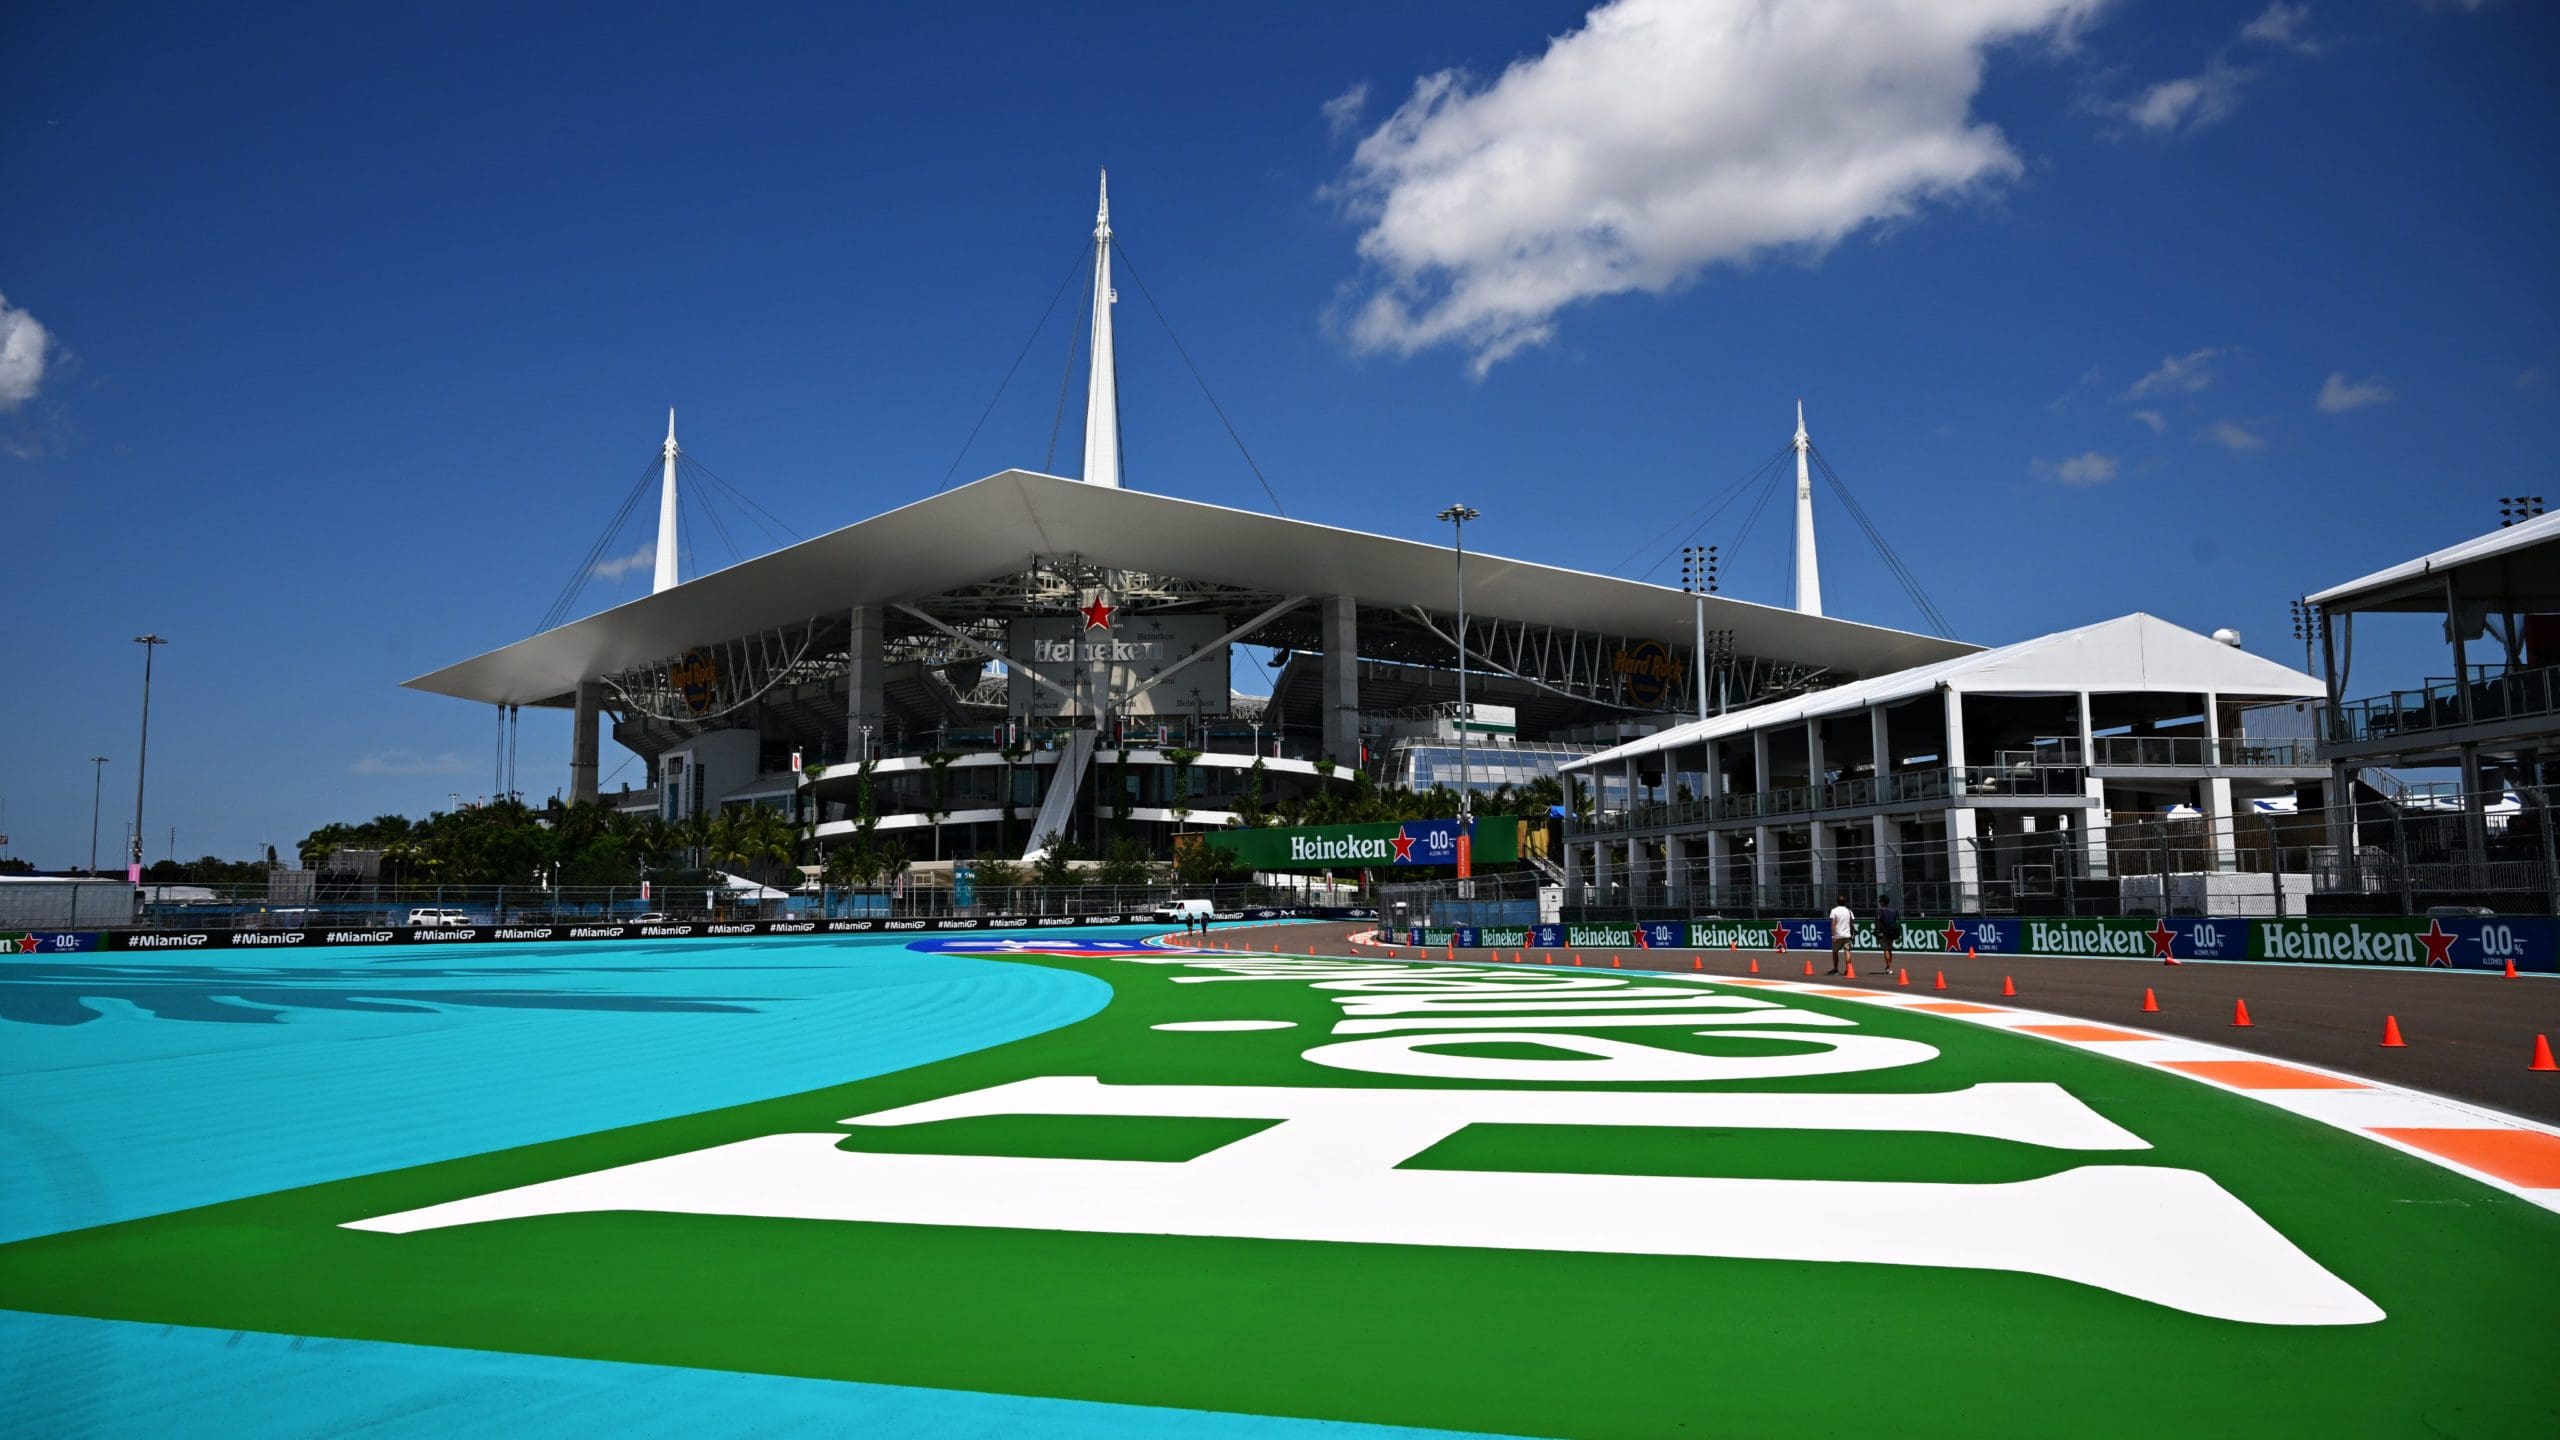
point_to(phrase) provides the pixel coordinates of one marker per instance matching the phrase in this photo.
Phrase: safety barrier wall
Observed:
(2449, 942)
(23, 943)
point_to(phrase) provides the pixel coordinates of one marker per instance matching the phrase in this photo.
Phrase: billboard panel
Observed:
(1104, 651)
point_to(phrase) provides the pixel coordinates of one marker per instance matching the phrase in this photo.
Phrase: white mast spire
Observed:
(1102, 391)
(1808, 572)
(666, 576)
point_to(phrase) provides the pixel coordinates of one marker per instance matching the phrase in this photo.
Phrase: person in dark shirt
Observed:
(1888, 928)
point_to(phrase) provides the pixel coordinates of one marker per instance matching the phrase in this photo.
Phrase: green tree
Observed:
(1056, 867)
(1125, 863)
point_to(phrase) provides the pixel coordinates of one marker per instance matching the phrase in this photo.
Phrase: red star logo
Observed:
(1404, 847)
(1954, 934)
(1777, 937)
(26, 944)
(2439, 944)
(2162, 937)
(1097, 616)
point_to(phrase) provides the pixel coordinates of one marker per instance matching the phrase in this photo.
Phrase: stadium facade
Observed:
(1030, 654)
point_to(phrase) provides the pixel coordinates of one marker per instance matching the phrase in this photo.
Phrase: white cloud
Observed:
(2232, 435)
(2338, 394)
(2282, 25)
(1342, 113)
(23, 342)
(2153, 418)
(1660, 138)
(614, 567)
(2189, 103)
(2176, 375)
(410, 762)
(2082, 470)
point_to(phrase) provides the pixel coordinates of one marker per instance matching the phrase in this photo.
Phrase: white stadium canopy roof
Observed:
(2515, 568)
(992, 527)
(2131, 653)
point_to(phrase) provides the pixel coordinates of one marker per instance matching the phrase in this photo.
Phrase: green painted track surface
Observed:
(1511, 1341)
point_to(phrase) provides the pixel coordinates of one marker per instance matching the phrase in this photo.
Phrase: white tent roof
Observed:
(2132, 653)
(2520, 564)
(992, 526)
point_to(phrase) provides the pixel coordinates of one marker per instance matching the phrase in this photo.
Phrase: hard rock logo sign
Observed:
(695, 680)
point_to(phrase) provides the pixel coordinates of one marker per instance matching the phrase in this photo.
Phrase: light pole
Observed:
(97, 788)
(1698, 577)
(142, 755)
(1458, 516)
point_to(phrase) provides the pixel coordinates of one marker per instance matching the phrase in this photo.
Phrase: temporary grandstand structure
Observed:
(1989, 769)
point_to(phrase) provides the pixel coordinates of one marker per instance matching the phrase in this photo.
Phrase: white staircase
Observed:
(1066, 782)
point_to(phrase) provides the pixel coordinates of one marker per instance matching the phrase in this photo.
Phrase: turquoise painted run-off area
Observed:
(133, 1086)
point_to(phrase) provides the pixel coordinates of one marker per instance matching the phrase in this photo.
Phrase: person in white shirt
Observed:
(1843, 929)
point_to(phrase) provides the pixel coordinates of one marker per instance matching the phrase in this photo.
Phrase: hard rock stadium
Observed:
(2205, 1086)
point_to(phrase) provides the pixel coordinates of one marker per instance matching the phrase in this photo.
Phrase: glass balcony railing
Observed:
(2231, 752)
(2512, 695)
(1901, 788)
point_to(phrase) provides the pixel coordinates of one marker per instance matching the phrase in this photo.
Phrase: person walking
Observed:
(1888, 927)
(1844, 928)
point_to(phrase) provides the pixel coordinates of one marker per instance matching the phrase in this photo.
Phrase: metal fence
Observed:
(252, 907)
(2408, 854)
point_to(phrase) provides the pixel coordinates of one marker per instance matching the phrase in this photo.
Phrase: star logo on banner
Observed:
(1777, 937)
(2162, 937)
(1097, 616)
(27, 944)
(1404, 848)
(2439, 944)
(1954, 934)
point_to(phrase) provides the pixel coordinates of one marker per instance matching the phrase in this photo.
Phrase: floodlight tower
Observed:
(666, 573)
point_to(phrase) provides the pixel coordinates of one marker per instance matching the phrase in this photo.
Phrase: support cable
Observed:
(1753, 519)
(586, 570)
(685, 457)
(1902, 572)
(1732, 494)
(1203, 382)
(1027, 342)
(1066, 381)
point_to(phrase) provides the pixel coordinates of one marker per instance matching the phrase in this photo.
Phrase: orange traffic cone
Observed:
(2008, 987)
(2391, 1033)
(2150, 1002)
(1577, 957)
(1311, 949)
(1902, 977)
(2542, 1054)
(1755, 964)
(1853, 969)
(1942, 980)
(2511, 969)
(1697, 962)
(1515, 958)
(1737, 945)
(2240, 1014)
(1547, 959)
(1968, 952)
(1808, 967)
(1613, 962)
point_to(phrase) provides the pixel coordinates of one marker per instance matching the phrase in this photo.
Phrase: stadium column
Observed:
(865, 705)
(1963, 866)
(1675, 868)
(1716, 847)
(1603, 868)
(584, 719)
(2093, 821)
(1817, 831)
(1341, 738)
(1881, 833)
(1573, 873)
(2217, 788)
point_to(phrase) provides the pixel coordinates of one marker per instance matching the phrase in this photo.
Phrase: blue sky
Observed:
(335, 334)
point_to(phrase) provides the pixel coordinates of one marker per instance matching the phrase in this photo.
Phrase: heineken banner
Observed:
(2461, 943)
(1360, 847)
(2452, 943)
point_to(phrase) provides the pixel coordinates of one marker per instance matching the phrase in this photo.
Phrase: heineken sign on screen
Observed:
(1359, 847)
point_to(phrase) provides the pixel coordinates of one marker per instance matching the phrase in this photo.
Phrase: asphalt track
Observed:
(2469, 1034)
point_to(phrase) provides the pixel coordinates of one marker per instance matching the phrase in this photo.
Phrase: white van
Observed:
(438, 919)
(1181, 910)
